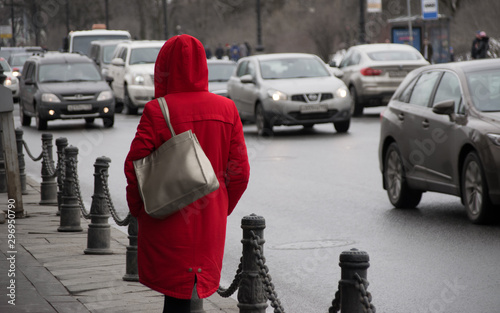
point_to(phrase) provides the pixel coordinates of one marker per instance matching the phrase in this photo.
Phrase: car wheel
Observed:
(25, 119)
(400, 194)
(41, 124)
(108, 121)
(118, 107)
(264, 126)
(356, 105)
(89, 120)
(127, 102)
(475, 191)
(342, 127)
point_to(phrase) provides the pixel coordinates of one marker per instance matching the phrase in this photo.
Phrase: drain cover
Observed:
(314, 244)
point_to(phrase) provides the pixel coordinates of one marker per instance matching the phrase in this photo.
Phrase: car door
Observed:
(442, 145)
(28, 90)
(242, 92)
(349, 67)
(414, 145)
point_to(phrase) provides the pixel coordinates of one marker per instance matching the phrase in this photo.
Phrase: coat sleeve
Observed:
(142, 145)
(238, 168)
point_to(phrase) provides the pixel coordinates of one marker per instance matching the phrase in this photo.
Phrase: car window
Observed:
(144, 55)
(448, 89)
(292, 68)
(347, 59)
(5, 66)
(68, 72)
(422, 91)
(484, 88)
(242, 68)
(107, 53)
(406, 94)
(220, 72)
(356, 57)
(27, 70)
(123, 54)
(394, 55)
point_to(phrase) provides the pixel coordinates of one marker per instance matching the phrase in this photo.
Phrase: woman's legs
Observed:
(174, 305)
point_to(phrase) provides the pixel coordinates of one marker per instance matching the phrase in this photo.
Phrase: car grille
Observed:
(78, 97)
(312, 97)
(313, 116)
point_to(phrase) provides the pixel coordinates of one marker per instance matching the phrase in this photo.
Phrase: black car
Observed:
(64, 86)
(441, 133)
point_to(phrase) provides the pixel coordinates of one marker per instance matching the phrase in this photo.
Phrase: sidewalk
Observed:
(52, 274)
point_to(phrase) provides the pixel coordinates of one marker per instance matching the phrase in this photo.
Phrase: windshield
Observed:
(66, 72)
(5, 65)
(292, 68)
(144, 55)
(484, 87)
(220, 72)
(394, 56)
(82, 43)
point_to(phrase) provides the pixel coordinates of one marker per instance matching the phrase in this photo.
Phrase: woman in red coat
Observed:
(187, 247)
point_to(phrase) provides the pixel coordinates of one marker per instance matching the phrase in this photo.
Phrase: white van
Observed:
(79, 41)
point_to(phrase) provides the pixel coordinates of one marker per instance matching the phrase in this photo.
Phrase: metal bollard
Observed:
(20, 157)
(251, 294)
(48, 187)
(132, 272)
(352, 262)
(70, 208)
(3, 173)
(99, 234)
(196, 303)
(61, 144)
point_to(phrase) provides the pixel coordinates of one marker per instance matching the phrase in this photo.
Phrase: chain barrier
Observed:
(31, 155)
(227, 292)
(104, 180)
(85, 213)
(366, 296)
(51, 171)
(335, 303)
(264, 274)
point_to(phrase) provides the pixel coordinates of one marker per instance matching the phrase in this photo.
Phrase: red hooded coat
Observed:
(189, 243)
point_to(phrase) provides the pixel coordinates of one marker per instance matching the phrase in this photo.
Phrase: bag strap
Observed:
(166, 114)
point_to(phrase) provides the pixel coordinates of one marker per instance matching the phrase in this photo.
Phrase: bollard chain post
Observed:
(70, 208)
(132, 272)
(48, 186)
(251, 293)
(99, 234)
(20, 157)
(61, 144)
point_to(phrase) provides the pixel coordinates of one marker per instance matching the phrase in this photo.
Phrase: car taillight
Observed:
(368, 71)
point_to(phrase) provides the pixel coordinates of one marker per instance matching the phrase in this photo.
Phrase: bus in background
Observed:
(79, 41)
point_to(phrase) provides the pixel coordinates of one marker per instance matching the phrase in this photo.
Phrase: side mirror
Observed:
(445, 107)
(333, 64)
(118, 62)
(109, 79)
(247, 79)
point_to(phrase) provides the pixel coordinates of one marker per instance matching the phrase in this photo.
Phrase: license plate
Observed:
(313, 108)
(79, 107)
(397, 73)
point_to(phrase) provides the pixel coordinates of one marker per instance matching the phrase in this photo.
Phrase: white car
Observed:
(289, 89)
(11, 81)
(132, 73)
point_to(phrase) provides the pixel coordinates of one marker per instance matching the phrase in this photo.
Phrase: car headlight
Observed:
(342, 92)
(105, 95)
(495, 138)
(277, 95)
(138, 79)
(50, 97)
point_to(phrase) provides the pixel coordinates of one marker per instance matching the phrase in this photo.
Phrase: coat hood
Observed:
(181, 66)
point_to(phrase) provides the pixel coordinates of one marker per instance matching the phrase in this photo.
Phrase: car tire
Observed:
(264, 126)
(342, 127)
(108, 122)
(398, 191)
(356, 105)
(41, 124)
(25, 119)
(475, 190)
(127, 103)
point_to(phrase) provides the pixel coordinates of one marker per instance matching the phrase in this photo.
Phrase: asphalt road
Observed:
(321, 193)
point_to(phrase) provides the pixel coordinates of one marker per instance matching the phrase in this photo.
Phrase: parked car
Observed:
(372, 72)
(441, 133)
(219, 72)
(64, 86)
(132, 73)
(289, 89)
(11, 80)
(101, 51)
(16, 61)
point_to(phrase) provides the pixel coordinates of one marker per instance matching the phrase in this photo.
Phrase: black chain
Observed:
(51, 171)
(366, 296)
(76, 184)
(225, 293)
(31, 155)
(107, 195)
(264, 274)
(335, 303)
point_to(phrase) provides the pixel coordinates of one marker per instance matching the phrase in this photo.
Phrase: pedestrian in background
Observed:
(475, 45)
(427, 50)
(182, 255)
(235, 52)
(219, 52)
(483, 45)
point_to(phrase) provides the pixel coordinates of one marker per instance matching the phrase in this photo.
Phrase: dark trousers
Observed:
(174, 305)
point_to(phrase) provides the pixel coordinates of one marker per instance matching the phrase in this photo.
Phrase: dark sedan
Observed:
(441, 133)
(64, 86)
